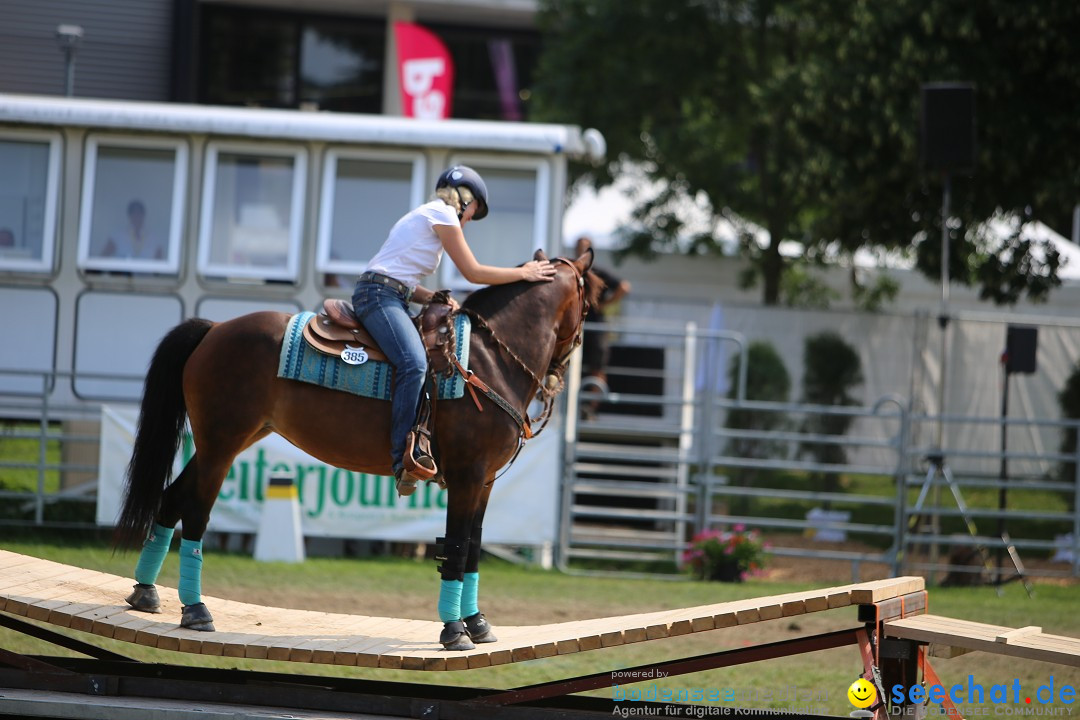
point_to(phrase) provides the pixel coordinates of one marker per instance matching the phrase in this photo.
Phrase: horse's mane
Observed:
(488, 300)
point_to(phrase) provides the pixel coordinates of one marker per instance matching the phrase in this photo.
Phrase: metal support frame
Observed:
(59, 639)
(709, 661)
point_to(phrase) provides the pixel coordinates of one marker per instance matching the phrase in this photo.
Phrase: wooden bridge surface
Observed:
(949, 637)
(92, 601)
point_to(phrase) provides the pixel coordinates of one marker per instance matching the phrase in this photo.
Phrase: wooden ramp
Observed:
(948, 637)
(93, 602)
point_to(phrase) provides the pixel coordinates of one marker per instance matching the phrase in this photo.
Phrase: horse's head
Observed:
(580, 288)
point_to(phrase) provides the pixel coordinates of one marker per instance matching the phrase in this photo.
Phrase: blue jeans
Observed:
(385, 314)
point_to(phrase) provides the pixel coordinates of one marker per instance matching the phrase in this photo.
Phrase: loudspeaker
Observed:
(947, 127)
(1020, 344)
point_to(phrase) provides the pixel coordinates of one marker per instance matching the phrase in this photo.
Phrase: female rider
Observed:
(411, 252)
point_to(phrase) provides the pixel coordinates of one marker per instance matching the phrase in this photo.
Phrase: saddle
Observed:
(338, 332)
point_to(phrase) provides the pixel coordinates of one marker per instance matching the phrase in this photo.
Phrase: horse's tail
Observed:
(161, 424)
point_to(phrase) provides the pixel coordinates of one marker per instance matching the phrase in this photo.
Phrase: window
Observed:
(363, 196)
(132, 205)
(252, 212)
(116, 334)
(278, 59)
(29, 331)
(28, 200)
(493, 70)
(518, 221)
(341, 65)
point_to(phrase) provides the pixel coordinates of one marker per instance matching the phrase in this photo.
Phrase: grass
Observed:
(20, 446)
(513, 595)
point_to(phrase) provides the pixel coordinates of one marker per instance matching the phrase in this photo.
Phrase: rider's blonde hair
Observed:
(456, 197)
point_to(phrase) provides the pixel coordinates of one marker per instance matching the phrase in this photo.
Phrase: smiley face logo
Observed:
(861, 694)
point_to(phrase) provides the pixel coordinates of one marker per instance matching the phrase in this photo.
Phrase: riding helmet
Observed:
(461, 175)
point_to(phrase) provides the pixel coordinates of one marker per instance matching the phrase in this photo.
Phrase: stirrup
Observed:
(422, 467)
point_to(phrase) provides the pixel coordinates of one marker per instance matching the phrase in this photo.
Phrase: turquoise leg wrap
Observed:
(190, 572)
(154, 550)
(450, 601)
(470, 594)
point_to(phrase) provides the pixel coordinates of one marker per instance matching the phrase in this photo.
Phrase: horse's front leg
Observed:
(464, 498)
(476, 625)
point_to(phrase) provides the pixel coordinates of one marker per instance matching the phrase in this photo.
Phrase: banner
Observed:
(425, 72)
(342, 504)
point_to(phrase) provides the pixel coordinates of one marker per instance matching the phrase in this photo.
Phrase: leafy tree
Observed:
(832, 368)
(767, 379)
(802, 118)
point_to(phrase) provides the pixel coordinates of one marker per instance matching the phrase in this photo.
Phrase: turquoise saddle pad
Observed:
(300, 361)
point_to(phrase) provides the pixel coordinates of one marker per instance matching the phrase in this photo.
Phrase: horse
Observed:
(223, 378)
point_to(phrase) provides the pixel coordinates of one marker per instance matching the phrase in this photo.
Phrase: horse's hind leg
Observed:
(191, 504)
(144, 595)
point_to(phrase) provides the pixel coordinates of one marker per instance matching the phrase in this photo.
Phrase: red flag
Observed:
(425, 72)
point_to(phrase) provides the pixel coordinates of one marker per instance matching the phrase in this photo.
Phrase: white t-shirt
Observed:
(412, 250)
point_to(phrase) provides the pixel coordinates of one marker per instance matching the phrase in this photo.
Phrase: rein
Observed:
(547, 388)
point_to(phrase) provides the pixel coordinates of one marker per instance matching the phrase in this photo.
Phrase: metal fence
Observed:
(48, 453)
(663, 450)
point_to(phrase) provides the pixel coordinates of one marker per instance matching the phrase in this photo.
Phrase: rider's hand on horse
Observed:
(538, 271)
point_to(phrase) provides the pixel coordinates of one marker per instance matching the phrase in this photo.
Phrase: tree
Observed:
(802, 118)
(767, 379)
(831, 369)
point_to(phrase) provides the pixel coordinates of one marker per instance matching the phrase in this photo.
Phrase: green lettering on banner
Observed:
(320, 497)
(370, 488)
(317, 484)
(260, 466)
(431, 496)
(341, 498)
(230, 481)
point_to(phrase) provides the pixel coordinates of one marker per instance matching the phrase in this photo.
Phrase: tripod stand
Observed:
(939, 468)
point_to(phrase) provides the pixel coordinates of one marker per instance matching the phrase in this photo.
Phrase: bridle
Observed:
(547, 388)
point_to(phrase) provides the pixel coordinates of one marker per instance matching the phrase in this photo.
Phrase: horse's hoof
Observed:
(455, 637)
(197, 617)
(479, 629)
(144, 598)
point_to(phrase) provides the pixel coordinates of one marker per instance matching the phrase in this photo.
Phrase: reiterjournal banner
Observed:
(425, 73)
(342, 504)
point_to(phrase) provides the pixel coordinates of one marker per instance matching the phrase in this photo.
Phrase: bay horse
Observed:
(223, 378)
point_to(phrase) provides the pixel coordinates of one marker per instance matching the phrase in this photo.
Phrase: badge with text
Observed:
(354, 355)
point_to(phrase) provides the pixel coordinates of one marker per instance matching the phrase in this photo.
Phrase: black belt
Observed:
(396, 285)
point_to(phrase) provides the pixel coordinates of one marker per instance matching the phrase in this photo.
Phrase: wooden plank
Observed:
(969, 635)
(1012, 635)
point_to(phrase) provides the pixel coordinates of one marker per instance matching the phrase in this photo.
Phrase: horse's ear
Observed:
(539, 255)
(585, 261)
